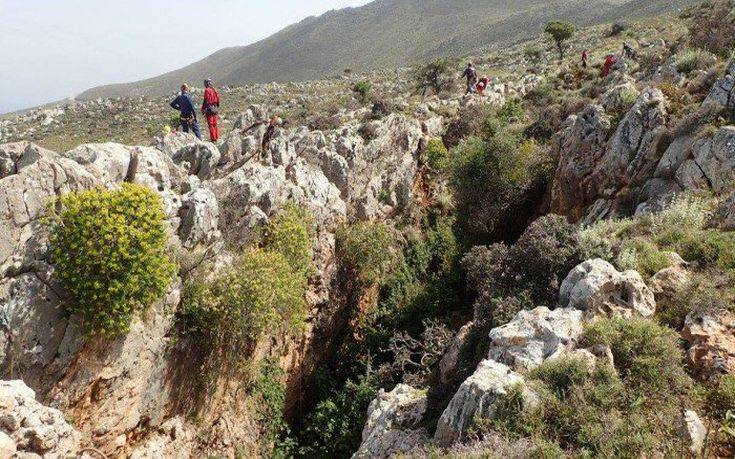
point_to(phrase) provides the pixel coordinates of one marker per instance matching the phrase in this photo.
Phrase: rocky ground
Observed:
(627, 150)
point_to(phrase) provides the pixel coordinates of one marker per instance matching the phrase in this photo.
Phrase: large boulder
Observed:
(532, 336)
(715, 157)
(392, 425)
(199, 218)
(598, 289)
(711, 339)
(477, 398)
(28, 427)
(724, 218)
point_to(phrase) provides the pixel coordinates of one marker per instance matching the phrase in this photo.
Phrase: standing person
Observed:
(210, 109)
(628, 51)
(471, 74)
(481, 85)
(610, 60)
(184, 103)
(584, 59)
(274, 122)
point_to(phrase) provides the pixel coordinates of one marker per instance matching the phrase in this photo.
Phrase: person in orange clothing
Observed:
(210, 109)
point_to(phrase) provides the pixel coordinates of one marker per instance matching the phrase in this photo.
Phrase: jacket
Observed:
(211, 99)
(185, 104)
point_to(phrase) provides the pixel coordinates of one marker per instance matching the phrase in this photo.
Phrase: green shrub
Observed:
(511, 110)
(490, 180)
(290, 233)
(707, 291)
(642, 256)
(109, 249)
(270, 398)
(721, 398)
(368, 250)
(694, 59)
(229, 314)
(437, 76)
(646, 354)
(335, 426)
(437, 155)
(362, 89)
(709, 248)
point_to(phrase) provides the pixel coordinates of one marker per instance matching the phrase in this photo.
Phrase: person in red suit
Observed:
(210, 109)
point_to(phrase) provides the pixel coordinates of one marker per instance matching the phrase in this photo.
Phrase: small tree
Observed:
(362, 89)
(532, 53)
(435, 75)
(560, 32)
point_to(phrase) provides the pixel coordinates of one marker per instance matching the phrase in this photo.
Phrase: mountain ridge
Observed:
(318, 46)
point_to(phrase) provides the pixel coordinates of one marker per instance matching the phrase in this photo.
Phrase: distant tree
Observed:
(560, 32)
(362, 89)
(436, 76)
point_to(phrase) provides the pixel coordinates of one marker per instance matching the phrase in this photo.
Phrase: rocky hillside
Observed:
(386, 34)
(542, 271)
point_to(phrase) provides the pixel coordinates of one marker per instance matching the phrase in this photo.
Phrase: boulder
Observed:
(32, 428)
(724, 218)
(669, 282)
(532, 336)
(450, 360)
(477, 398)
(711, 339)
(598, 289)
(721, 96)
(694, 431)
(392, 425)
(199, 218)
(716, 158)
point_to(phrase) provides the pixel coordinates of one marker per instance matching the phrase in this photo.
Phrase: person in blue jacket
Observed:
(184, 103)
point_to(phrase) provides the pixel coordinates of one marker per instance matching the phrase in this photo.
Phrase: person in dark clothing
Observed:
(584, 59)
(628, 51)
(184, 103)
(471, 74)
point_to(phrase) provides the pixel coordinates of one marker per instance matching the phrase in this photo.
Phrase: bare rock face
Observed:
(598, 289)
(533, 336)
(668, 282)
(29, 427)
(392, 423)
(477, 397)
(721, 96)
(450, 360)
(711, 339)
(199, 214)
(715, 158)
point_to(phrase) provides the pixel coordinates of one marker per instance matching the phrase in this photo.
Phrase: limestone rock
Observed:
(450, 360)
(477, 397)
(725, 215)
(199, 218)
(598, 289)
(711, 339)
(695, 432)
(532, 336)
(31, 426)
(392, 423)
(716, 158)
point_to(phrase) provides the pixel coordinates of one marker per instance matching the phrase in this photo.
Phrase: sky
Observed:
(53, 49)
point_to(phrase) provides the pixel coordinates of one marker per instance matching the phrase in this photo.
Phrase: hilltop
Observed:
(386, 34)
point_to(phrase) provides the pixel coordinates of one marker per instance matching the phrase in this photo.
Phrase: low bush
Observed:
(642, 256)
(490, 181)
(617, 28)
(510, 111)
(694, 59)
(631, 410)
(368, 251)
(109, 250)
(362, 90)
(712, 26)
(270, 398)
(437, 155)
(436, 76)
(259, 292)
(290, 233)
(721, 398)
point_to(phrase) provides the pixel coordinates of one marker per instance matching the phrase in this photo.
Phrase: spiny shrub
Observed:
(362, 89)
(511, 110)
(290, 233)
(368, 250)
(694, 59)
(646, 355)
(721, 398)
(260, 292)
(712, 26)
(109, 249)
(643, 257)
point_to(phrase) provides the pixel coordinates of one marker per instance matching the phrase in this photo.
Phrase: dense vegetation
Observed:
(109, 248)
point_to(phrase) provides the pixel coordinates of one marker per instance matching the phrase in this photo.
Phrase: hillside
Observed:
(386, 34)
(546, 270)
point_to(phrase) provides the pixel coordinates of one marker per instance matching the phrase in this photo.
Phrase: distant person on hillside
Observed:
(610, 60)
(210, 109)
(273, 123)
(584, 59)
(184, 103)
(628, 51)
(482, 85)
(471, 74)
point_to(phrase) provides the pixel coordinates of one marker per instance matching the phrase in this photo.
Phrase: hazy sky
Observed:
(52, 49)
